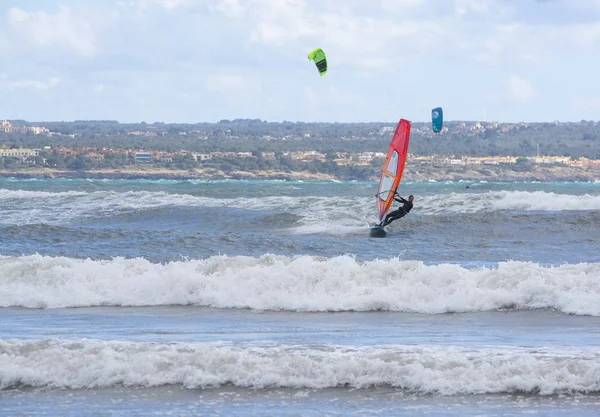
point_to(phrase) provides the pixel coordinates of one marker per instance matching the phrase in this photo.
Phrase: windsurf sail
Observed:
(437, 119)
(318, 56)
(393, 167)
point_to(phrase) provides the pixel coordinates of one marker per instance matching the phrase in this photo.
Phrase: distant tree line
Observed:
(520, 140)
(228, 165)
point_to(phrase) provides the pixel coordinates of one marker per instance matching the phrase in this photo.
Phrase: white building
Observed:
(19, 153)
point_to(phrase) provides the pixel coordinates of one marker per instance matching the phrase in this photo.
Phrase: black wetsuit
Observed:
(399, 213)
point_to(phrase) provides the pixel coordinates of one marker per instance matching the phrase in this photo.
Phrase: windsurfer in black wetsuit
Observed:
(400, 212)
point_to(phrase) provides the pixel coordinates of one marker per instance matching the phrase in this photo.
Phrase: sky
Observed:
(188, 61)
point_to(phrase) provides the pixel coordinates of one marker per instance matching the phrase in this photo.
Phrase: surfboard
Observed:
(377, 231)
(391, 172)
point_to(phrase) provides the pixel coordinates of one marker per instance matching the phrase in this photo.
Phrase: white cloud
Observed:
(384, 52)
(356, 39)
(585, 5)
(463, 7)
(514, 42)
(63, 29)
(166, 4)
(587, 35)
(520, 90)
(36, 85)
(230, 8)
(172, 4)
(399, 5)
(233, 84)
(281, 21)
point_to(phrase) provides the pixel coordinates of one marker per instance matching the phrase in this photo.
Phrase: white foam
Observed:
(317, 214)
(32, 207)
(334, 215)
(507, 200)
(446, 370)
(301, 283)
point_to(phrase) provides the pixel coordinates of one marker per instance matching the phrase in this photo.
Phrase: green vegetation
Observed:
(117, 143)
(242, 135)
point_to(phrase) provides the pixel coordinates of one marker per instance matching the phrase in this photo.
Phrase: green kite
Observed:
(318, 56)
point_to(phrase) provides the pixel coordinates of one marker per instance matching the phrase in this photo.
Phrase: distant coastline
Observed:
(255, 149)
(412, 173)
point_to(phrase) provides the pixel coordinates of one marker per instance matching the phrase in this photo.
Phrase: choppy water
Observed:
(124, 297)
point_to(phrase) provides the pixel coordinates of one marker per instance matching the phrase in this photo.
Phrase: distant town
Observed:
(352, 150)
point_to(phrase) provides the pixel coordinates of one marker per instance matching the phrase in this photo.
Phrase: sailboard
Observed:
(391, 173)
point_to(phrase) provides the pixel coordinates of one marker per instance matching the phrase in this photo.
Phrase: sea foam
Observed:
(300, 283)
(447, 370)
(30, 207)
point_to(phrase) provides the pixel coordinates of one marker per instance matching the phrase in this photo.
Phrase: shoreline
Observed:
(411, 173)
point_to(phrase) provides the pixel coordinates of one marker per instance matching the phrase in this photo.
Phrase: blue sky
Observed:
(206, 60)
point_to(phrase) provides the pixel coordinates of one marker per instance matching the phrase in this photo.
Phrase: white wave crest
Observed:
(317, 214)
(301, 283)
(32, 207)
(508, 200)
(424, 369)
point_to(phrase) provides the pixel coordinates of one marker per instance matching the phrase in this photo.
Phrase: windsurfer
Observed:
(407, 206)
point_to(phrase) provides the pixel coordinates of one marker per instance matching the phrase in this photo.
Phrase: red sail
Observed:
(391, 173)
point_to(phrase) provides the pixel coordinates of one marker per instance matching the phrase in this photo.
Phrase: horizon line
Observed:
(289, 121)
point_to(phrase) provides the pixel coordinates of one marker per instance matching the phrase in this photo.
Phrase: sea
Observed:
(123, 297)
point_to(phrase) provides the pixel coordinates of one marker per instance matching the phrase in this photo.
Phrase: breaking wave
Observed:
(301, 283)
(450, 370)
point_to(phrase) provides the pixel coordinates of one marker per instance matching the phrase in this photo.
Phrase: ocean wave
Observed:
(318, 213)
(301, 283)
(448, 370)
(494, 201)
